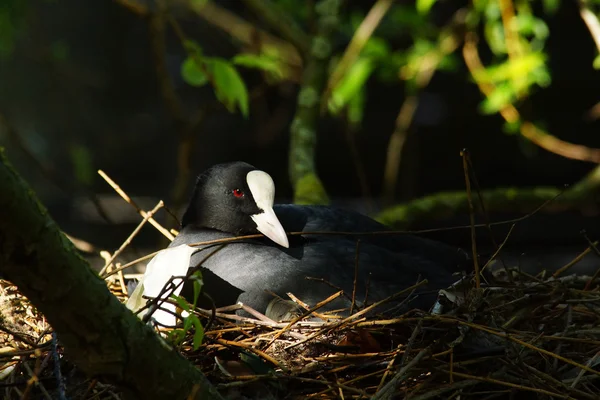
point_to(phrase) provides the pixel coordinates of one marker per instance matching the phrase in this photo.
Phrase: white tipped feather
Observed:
(172, 261)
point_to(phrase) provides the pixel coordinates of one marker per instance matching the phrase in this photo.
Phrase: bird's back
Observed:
(387, 264)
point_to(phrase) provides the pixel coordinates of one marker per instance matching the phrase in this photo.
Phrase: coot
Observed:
(237, 199)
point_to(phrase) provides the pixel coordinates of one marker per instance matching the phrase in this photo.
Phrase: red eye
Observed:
(238, 193)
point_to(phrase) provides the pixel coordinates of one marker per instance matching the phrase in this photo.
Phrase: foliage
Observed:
(198, 70)
(191, 320)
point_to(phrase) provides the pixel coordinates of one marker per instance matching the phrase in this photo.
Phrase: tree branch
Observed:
(521, 200)
(511, 114)
(303, 131)
(275, 17)
(102, 337)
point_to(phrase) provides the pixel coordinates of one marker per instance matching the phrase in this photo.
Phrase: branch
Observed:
(100, 335)
(448, 204)
(591, 21)
(242, 30)
(510, 114)
(448, 42)
(303, 131)
(280, 21)
(358, 42)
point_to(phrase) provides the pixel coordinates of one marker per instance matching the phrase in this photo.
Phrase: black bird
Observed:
(236, 198)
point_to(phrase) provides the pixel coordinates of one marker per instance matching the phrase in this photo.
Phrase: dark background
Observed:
(102, 100)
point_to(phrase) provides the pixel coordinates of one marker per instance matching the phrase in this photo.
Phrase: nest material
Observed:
(536, 336)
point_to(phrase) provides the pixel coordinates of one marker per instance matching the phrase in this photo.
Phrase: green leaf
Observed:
(192, 73)
(229, 86)
(376, 48)
(199, 332)
(196, 278)
(500, 97)
(512, 68)
(512, 128)
(176, 336)
(350, 84)
(260, 61)
(356, 107)
(181, 302)
(423, 6)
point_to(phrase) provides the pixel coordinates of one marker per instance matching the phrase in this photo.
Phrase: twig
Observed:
(389, 389)
(280, 21)
(242, 30)
(591, 21)
(259, 353)
(513, 385)
(463, 154)
(359, 40)
(511, 115)
(133, 234)
(359, 313)
(304, 315)
(407, 350)
(486, 216)
(355, 283)
(125, 197)
(574, 261)
(60, 382)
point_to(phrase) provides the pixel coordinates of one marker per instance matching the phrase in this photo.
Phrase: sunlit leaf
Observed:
(351, 84)
(356, 107)
(500, 97)
(181, 302)
(511, 128)
(423, 6)
(199, 331)
(192, 73)
(494, 34)
(260, 61)
(512, 68)
(376, 48)
(229, 86)
(196, 279)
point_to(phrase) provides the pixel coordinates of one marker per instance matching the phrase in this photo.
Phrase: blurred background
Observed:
(363, 104)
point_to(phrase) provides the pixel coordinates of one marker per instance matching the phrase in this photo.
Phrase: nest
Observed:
(535, 336)
(515, 336)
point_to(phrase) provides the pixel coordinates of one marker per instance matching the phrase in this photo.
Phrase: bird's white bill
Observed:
(263, 191)
(268, 224)
(172, 261)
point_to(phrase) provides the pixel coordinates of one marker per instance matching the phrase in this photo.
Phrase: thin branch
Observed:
(591, 21)
(303, 131)
(129, 200)
(282, 22)
(358, 42)
(448, 42)
(511, 115)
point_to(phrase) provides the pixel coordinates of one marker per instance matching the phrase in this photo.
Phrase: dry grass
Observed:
(537, 336)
